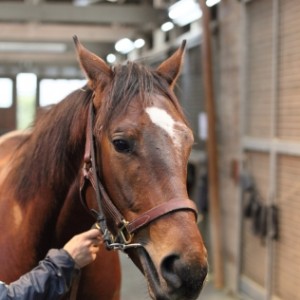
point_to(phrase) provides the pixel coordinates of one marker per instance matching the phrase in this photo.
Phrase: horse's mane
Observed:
(50, 153)
(51, 156)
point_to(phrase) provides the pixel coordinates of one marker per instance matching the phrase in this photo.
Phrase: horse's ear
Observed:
(171, 67)
(95, 68)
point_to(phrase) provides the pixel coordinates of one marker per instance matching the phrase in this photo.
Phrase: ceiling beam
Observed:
(31, 32)
(22, 58)
(94, 14)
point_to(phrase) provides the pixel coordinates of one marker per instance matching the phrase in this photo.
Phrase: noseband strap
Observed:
(159, 211)
(126, 228)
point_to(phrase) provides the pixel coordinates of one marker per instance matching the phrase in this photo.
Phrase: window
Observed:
(26, 99)
(6, 92)
(53, 91)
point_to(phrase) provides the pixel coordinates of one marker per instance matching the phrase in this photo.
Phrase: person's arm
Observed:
(49, 280)
(52, 278)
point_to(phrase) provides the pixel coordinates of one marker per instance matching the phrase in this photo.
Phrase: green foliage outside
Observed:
(25, 111)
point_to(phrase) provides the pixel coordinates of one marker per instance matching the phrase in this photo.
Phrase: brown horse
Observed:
(142, 144)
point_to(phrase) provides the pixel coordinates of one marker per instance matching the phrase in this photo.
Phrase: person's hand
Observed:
(83, 247)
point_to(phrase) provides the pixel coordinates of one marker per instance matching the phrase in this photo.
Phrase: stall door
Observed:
(270, 268)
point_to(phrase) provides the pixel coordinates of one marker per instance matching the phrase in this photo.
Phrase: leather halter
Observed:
(125, 228)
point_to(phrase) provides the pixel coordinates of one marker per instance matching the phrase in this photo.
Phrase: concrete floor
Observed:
(134, 285)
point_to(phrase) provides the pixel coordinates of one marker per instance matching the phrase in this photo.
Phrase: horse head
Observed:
(143, 144)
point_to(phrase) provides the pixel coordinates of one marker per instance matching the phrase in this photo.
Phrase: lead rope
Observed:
(75, 286)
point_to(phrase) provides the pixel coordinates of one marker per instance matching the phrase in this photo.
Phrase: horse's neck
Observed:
(29, 231)
(73, 217)
(29, 228)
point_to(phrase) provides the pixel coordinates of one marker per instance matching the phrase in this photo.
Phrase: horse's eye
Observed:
(122, 145)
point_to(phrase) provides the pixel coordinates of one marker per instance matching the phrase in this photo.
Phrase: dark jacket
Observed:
(51, 279)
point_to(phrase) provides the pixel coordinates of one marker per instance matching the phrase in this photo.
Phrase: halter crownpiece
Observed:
(125, 229)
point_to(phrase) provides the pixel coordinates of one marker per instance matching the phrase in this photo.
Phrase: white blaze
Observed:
(163, 120)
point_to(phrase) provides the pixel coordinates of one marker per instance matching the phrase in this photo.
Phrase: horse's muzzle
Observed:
(178, 280)
(184, 279)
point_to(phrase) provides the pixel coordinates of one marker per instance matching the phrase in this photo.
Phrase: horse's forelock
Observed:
(129, 81)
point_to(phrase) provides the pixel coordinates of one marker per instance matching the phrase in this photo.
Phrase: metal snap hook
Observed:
(123, 247)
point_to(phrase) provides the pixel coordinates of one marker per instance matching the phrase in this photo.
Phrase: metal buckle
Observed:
(125, 236)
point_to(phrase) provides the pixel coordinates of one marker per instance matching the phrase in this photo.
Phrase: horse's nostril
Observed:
(170, 272)
(183, 277)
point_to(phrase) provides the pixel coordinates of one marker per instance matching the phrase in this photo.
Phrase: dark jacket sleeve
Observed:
(51, 279)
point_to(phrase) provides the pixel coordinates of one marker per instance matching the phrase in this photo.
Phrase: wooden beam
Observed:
(212, 153)
(94, 14)
(61, 33)
(38, 58)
